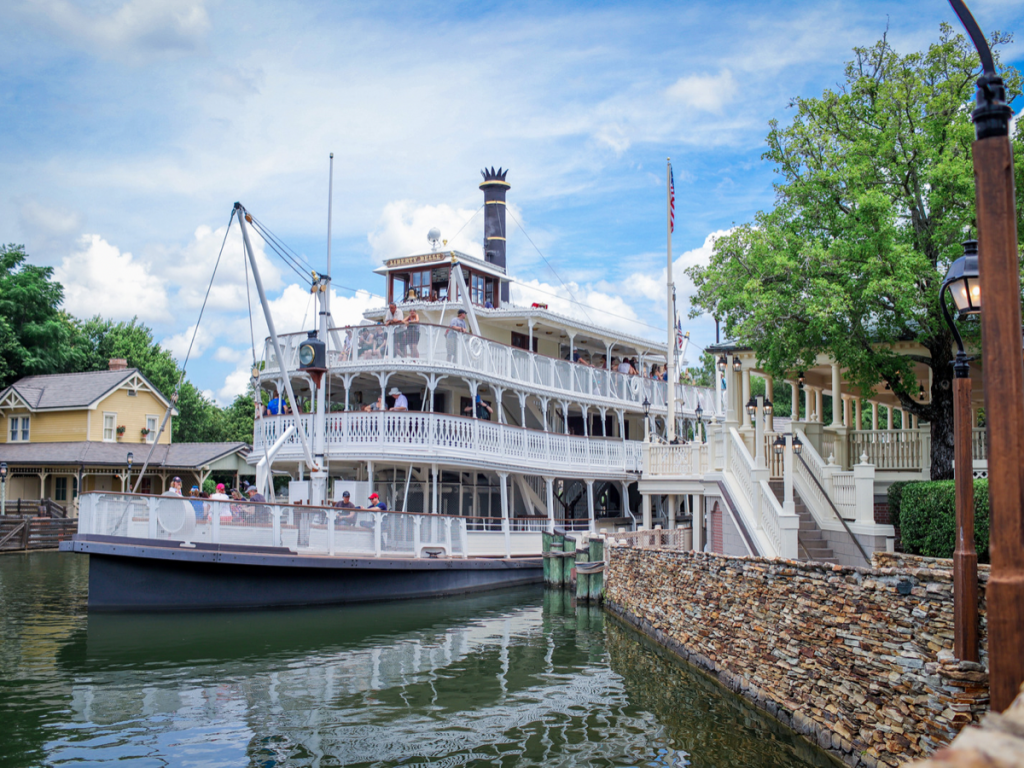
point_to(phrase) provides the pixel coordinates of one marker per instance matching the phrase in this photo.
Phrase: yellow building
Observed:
(65, 433)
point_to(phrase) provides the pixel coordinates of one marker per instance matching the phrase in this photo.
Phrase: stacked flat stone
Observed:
(857, 659)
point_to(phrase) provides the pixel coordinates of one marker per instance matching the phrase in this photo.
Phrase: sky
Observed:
(130, 129)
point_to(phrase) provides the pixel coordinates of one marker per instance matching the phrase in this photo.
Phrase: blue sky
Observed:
(130, 129)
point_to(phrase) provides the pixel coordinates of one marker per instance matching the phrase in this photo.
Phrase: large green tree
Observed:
(875, 195)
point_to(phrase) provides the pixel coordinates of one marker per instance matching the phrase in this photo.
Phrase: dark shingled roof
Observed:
(69, 390)
(176, 455)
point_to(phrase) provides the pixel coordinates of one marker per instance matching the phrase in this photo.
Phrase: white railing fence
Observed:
(305, 530)
(434, 344)
(683, 460)
(402, 433)
(890, 449)
(979, 444)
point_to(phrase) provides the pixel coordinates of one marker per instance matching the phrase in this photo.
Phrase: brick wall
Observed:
(857, 659)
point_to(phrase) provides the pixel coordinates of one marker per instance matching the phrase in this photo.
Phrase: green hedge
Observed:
(927, 515)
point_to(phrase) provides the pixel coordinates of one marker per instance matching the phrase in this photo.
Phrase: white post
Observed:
(858, 413)
(590, 506)
(416, 537)
(837, 395)
(276, 514)
(647, 521)
(888, 416)
(549, 483)
(759, 457)
(434, 500)
(769, 393)
(788, 505)
(864, 491)
(153, 530)
(331, 516)
(874, 414)
(378, 545)
(745, 398)
(673, 502)
(698, 523)
(794, 400)
(505, 523)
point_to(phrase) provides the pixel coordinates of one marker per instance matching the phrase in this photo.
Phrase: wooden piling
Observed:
(596, 580)
(568, 563)
(555, 569)
(545, 548)
(582, 580)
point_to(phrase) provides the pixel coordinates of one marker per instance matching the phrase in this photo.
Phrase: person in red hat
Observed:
(376, 503)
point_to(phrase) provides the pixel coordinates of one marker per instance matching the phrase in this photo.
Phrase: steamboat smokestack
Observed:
(495, 187)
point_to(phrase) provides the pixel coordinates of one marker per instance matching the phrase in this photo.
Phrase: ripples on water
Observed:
(518, 678)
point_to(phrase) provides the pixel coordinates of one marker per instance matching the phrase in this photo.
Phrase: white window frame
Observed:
(113, 427)
(152, 429)
(19, 428)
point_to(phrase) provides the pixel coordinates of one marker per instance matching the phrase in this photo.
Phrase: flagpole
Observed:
(670, 390)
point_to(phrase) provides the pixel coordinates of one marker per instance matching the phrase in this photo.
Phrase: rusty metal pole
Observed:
(1003, 361)
(965, 557)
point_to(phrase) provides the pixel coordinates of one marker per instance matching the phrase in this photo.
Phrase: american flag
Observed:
(679, 333)
(671, 199)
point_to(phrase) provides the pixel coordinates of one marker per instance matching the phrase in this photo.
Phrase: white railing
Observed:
(683, 460)
(374, 346)
(811, 482)
(844, 494)
(437, 436)
(891, 449)
(781, 528)
(979, 444)
(305, 530)
(773, 460)
(830, 446)
(741, 467)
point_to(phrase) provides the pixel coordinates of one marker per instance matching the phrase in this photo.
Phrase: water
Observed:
(517, 678)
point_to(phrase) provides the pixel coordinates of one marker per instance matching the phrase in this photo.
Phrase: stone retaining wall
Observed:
(859, 660)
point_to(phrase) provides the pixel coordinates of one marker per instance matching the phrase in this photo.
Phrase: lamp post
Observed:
(131, 458)
(3, 488)
(699, 413)
(962, 283)
(647, 417)
(999, 281)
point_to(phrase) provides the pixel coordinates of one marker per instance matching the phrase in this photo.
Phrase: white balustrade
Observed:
(367, 347)
(844, 494)
(357, 434)
(741, 466)
(782, 529)
(892, 449)
(979, 444)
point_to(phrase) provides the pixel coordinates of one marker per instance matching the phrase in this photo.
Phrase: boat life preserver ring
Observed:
(475, 345)
(634, 385)
(176, 516)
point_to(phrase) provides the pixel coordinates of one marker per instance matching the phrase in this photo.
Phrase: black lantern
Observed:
(920, 394)
(3, 471)
(800, 378)
(313, 357)
(131, 458)
(751, 406)
(647, 407)
(962, 281)
(722, 363)
(797, 445)
(767, 406)
(779, 445)
(698, 412)
(736, 364)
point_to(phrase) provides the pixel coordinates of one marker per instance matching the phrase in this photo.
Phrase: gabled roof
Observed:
(66, 391)
(176, 455)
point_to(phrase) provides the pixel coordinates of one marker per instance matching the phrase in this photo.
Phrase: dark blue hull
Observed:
(146, 575)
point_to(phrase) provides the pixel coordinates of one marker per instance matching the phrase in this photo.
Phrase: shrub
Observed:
(928, 518)
(895, 496)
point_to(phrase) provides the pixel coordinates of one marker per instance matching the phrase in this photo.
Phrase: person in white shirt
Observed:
(401, 401)
(223, 510)
(394, 315)
(175, 489)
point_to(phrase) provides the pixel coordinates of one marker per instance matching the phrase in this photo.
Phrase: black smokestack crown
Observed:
(494, 187)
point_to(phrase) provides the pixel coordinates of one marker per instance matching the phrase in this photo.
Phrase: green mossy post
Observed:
(596, 580)
(545, 548)
(582, 580)
(555, 569)
(568, 563)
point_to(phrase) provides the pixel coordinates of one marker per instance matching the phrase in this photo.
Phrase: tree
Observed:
(875, 195)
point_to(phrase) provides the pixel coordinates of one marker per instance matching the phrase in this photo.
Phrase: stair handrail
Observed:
(839, 517)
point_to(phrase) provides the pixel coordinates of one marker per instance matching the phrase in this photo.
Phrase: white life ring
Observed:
(475, 345)
(176, 515)
(634, 385)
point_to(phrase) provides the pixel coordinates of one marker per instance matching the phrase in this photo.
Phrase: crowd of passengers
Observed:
(206, 504)
(372, 341)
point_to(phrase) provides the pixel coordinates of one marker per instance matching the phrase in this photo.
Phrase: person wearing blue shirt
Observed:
(376, 503)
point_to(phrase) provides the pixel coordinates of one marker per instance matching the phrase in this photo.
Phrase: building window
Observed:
(420, 283)
(522, 341)
(151, 426)
(489, 293)
(60, 489)
(477, 289)
(19, 429)
(109, 427)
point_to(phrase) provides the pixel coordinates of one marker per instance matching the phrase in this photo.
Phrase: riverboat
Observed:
(514, 421)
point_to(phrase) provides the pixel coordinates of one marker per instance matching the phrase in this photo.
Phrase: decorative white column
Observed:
(671, 516)
(808, 402)
(794, 404)
(435, 501)
(837, 394)
(646, 522)
(698, 523)
(506, 527)
(788, 505)
(858, 415)
(759, 457)
(847, 411)
(745, 398)
(769, 393)
(590, 506)
(888, 416)
(874, 414)
(819, 405)
(549, 483)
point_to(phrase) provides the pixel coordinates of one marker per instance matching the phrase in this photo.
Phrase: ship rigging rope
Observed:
(188, 353)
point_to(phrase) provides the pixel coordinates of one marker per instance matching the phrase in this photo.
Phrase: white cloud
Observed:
(136, 28)
(100, 280)
(708, 93)
(229, 355)
(178, 344)
(403, 226)
(236, 383)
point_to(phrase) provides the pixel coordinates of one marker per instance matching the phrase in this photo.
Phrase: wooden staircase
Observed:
(811, 541)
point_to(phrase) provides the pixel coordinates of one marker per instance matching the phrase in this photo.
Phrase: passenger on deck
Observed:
(578, 358)
(197, 504)
(395, 317)
(348, 517)
(457, 325)
(412, 333)
(377, 405)
(376, 503)
(175, 489)
(483, 410)
(401, 401)
(220, 506)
